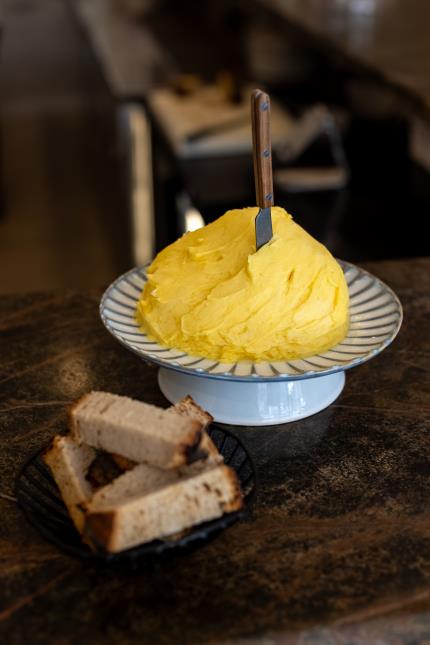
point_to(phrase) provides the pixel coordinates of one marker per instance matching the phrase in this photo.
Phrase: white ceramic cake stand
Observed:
(268, 392)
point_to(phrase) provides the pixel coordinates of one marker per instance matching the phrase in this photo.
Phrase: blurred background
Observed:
(126, 122)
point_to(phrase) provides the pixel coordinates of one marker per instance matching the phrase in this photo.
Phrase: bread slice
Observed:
(136, 430)
(143, 505)
(187, 407)
(143, 479)
(69, 462)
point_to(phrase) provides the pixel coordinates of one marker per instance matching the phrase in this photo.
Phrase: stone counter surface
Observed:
(337, 548)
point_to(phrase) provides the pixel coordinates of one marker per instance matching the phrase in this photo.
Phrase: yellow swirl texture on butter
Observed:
(212, 295)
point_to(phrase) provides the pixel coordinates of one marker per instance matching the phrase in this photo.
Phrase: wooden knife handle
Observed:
(262, 148)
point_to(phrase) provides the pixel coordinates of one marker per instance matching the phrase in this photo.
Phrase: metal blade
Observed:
(263, 227)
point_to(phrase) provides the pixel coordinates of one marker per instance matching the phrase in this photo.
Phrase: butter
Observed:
(211, 294)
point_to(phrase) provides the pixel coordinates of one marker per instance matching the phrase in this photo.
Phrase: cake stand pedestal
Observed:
(259, 403)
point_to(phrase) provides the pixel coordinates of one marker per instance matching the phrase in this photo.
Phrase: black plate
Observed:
(40, 500)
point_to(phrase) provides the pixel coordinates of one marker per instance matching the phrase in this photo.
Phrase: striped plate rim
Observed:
(375, 319)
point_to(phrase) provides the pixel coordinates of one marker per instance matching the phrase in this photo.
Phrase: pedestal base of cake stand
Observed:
(259, 403)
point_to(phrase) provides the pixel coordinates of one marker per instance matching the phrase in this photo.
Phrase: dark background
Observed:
(65, 184)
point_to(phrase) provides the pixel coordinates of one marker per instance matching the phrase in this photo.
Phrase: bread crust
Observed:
(123, 462)
(236, 503)
(100, 529)
(70, 416)
(189, 449)
(187, 405)
(206, 449)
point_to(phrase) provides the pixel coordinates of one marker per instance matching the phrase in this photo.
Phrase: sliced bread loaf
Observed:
(161, 508)
(141, 480)
(136, 430)
(69, 462)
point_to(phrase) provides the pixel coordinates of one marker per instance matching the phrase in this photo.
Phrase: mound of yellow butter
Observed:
(211, 294)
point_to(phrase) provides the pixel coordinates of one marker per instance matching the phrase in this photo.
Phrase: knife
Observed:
(262, 158)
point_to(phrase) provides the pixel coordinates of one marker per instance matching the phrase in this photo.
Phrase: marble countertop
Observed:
(388, 37)
(337, 548)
